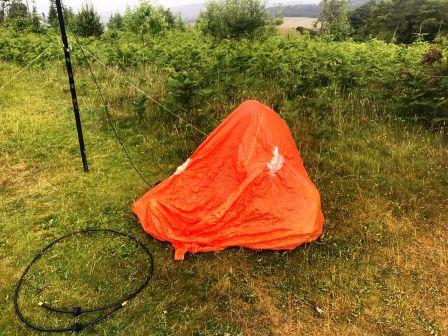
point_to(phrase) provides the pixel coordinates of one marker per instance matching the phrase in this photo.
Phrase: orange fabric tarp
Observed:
(244, 186)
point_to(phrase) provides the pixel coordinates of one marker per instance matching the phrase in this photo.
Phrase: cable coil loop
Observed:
(77, 311)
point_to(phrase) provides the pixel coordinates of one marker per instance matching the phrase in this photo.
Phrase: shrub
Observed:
(424, 95)
(145, 19)
(139, 105)
(115, 21)
(236, 19)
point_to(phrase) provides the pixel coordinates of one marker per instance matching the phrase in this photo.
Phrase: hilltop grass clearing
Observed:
(380, 268)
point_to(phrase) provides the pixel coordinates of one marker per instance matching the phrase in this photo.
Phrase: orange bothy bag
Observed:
(244, 186)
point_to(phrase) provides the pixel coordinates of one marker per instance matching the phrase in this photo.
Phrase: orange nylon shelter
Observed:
(244, 186)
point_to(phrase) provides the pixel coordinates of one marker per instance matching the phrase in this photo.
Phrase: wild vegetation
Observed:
(226, 19)
(403, 21)
(369, 118)
(333, 19)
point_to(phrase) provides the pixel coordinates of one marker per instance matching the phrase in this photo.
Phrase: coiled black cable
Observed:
(76, 311)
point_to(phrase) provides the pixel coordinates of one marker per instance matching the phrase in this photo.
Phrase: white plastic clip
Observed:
(276, 163)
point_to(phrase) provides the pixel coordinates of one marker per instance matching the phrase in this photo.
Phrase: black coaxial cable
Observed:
(76, 311)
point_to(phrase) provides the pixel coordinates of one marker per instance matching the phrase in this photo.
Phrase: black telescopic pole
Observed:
(71, 80)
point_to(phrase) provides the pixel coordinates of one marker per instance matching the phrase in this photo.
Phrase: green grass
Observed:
(380, 268)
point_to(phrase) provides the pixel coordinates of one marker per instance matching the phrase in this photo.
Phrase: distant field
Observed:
(294, 22)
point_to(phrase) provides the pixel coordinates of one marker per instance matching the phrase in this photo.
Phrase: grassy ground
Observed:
(380, 268)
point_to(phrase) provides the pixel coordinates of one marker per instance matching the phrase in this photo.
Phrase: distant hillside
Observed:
(299, 10)
(358, 3)
(189, 13)
(305, 10)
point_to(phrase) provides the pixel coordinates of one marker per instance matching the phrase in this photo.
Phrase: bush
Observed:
(424, 95)
(147, 20)
(20, 47)
(115, 21)
(236, 19)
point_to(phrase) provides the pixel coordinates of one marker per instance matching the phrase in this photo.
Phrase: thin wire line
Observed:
(140, 90)
(109, 117)
(26, 67)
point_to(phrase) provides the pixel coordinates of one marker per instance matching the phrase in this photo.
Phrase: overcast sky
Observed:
(110, 5)
(102, 5)
(107, 7)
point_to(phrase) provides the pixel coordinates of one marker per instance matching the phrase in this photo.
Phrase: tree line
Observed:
(401, 21)
(146, 18)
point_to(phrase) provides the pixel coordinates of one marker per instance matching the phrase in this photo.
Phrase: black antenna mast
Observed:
(71, 80)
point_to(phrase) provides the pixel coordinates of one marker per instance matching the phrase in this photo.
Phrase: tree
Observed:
(172, 20)
(434, 19)
(402, 21)
(2, 14)
(52, 17)
(145, 19)
(359, 17)
(169, 17)
(4, 10)
(15, 14)
(35, 20)
(87, 22)
(333, 19)
(115, 21)
(236, 19)
(69, 17)
(17, 10)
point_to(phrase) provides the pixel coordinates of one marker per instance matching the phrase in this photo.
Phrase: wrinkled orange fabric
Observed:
(245, 186)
